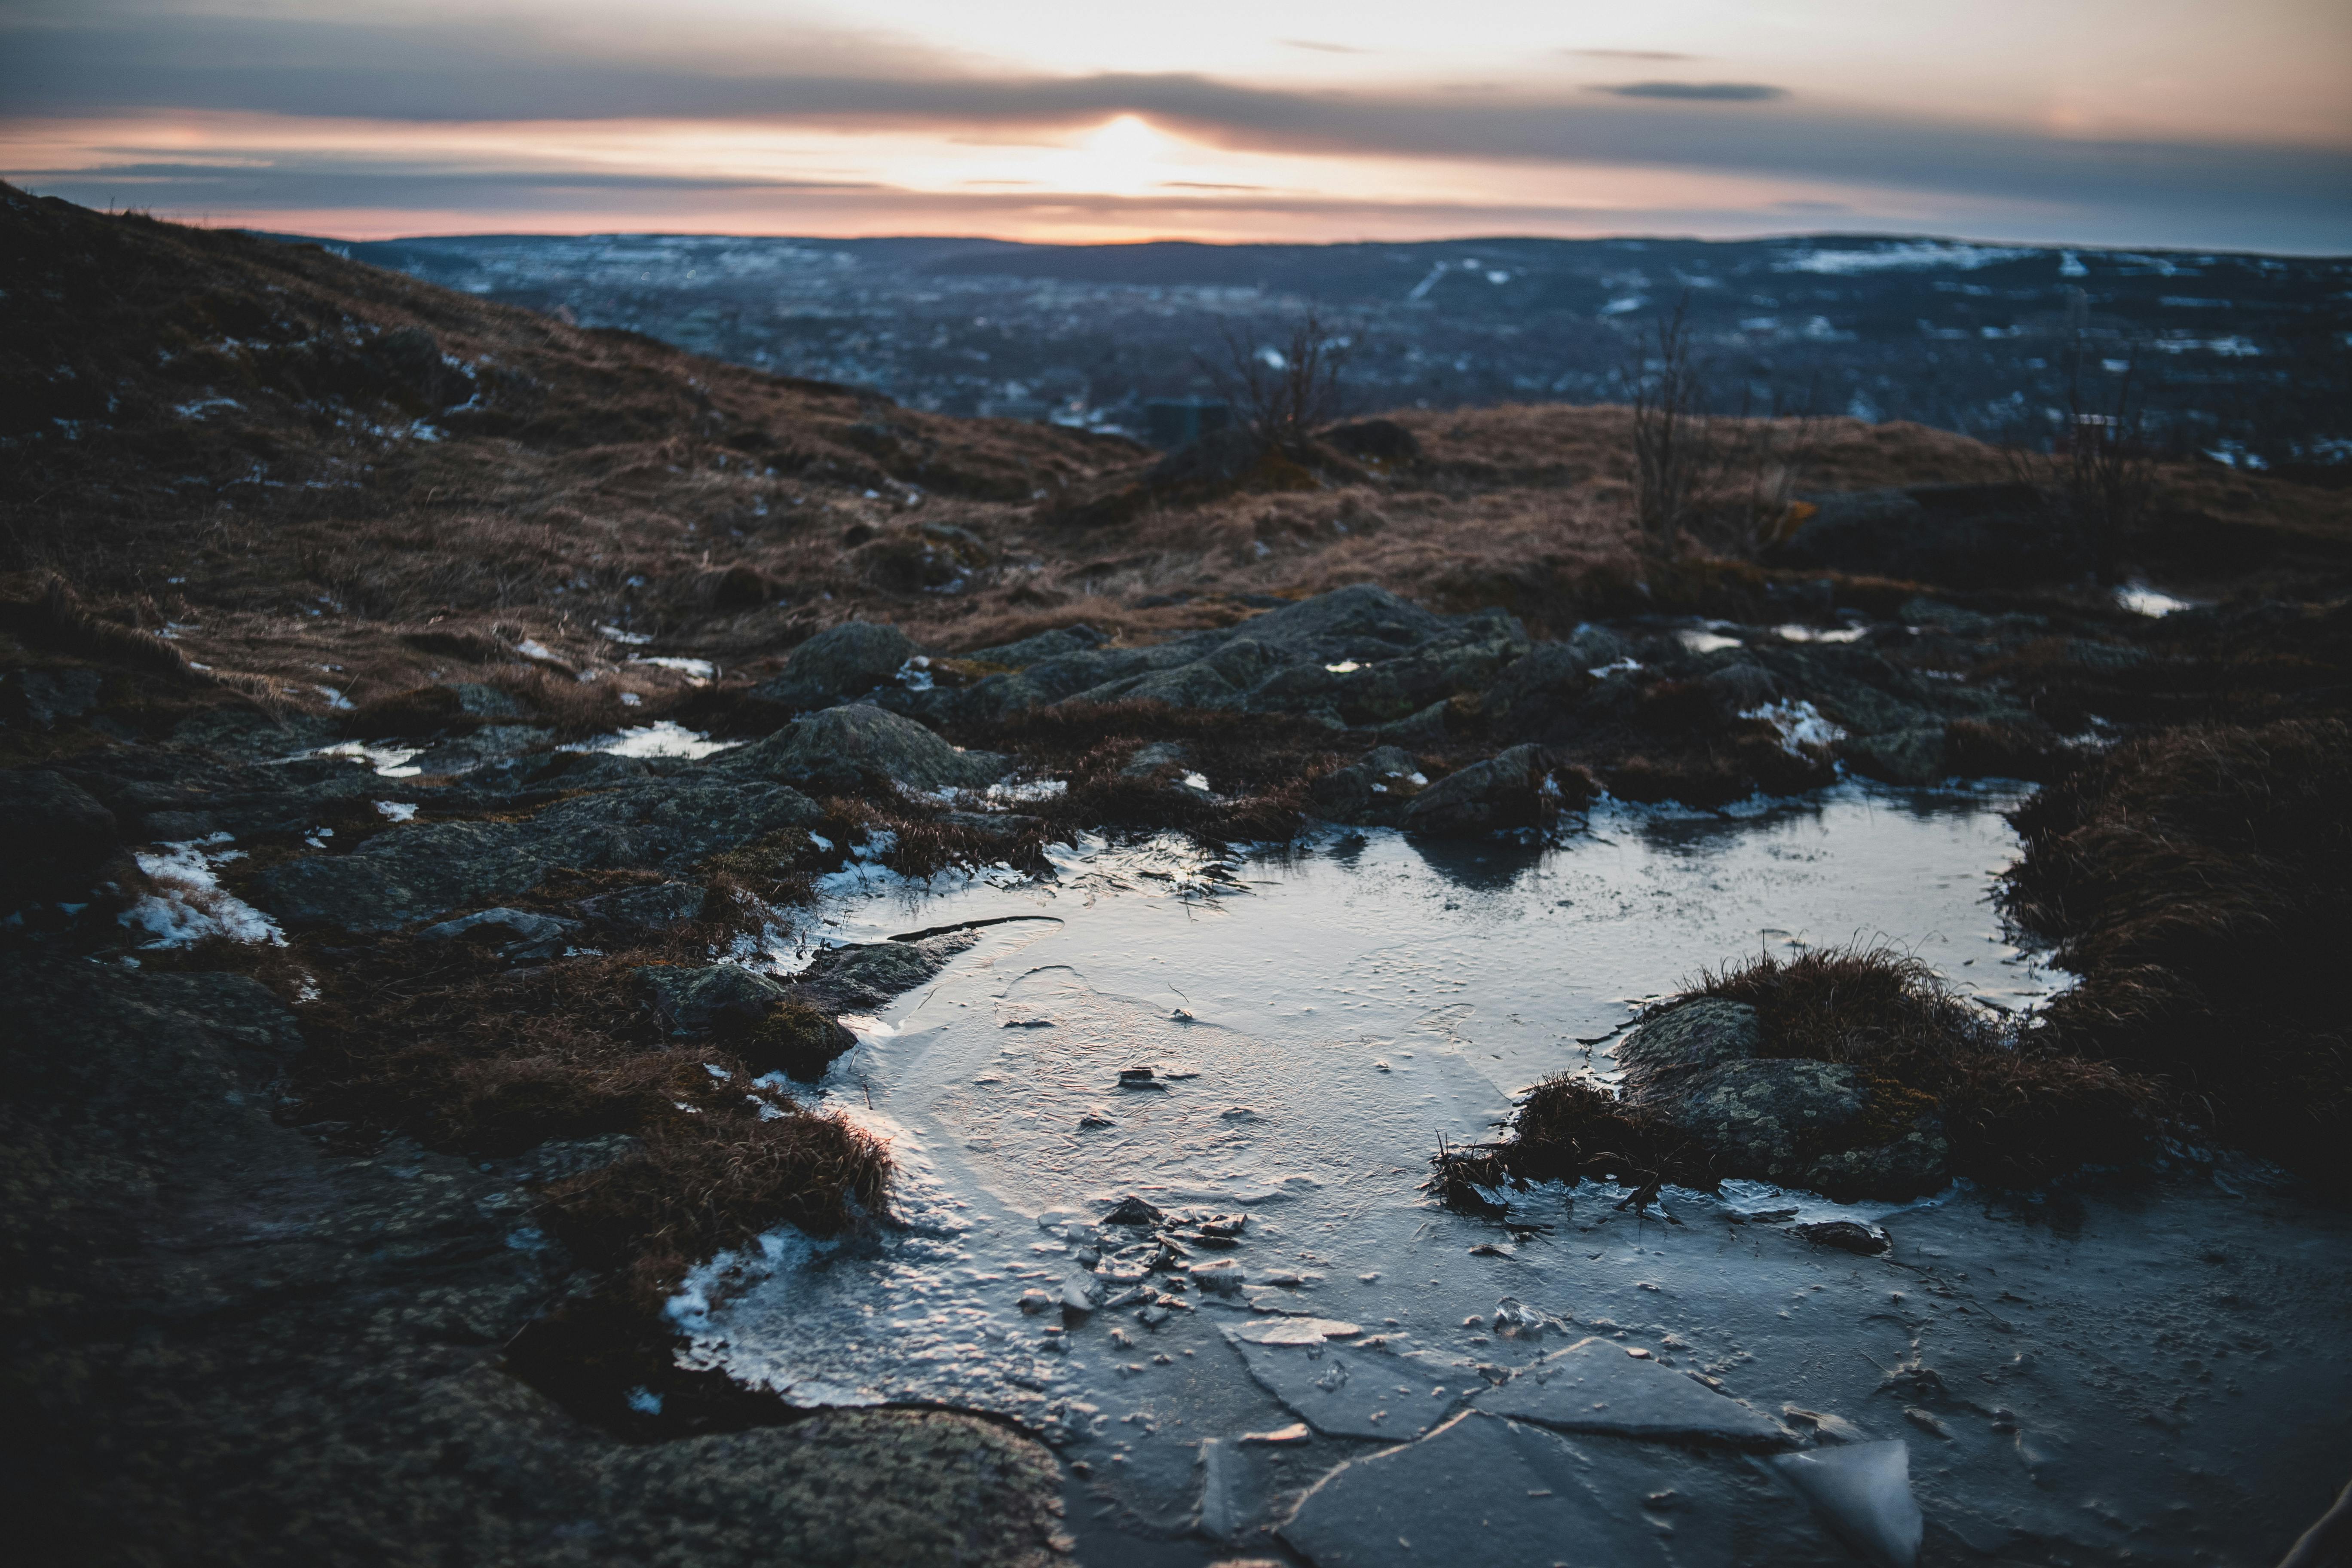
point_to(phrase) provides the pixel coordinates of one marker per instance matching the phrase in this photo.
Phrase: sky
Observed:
(2146, 123)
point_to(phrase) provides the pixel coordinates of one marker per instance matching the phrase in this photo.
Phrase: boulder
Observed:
(1034, 650)
(523, 934)
(54, 836)
(1372, 791)
(847, 660)
(1822, 1126)
(655, 908)
(859, 978)
(1913, 755)
(1983, 535)
(860, 747)
(1665, 1049)
(1374, 441)
(418, 871)
(1517, 788)
(720, 998)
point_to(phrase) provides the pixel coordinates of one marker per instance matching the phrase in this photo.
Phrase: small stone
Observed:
(1637, 1352)
(1034, 1301)
(1133, 1211)
(1138, 1077)
(1239, 1114)
(1845, 1236)
(1095, 1118)
(1280, 1279)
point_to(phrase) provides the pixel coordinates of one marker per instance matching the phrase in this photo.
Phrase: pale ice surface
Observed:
(1316, 1024)
(1890, 256)
(1865, 1490)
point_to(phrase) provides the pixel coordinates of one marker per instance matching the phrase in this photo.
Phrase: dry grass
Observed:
(2200, 879)
(598, 478)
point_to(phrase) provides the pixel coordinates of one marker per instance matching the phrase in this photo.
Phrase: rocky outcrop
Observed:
(54, 836)
(422, 869)
(840, 662)
(861, 748)
(1372, 791)
(243, 1347)
(1355, 655)
(1522, 787)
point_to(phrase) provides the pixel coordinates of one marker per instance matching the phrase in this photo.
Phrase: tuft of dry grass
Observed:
(2016, 1112)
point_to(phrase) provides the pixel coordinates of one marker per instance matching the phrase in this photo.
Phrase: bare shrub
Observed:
(1281, 393)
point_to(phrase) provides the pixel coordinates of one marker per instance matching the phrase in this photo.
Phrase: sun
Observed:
(1121, 155)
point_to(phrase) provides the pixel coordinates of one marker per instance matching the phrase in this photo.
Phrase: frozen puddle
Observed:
(1379, 1380)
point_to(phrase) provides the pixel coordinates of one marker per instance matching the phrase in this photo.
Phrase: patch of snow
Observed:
(692, 669)
(1794, 632)
(1899, 256)
(1029, 791)
(2142, 600)
(1345, 667)
(1698, 641)
(389, 761)
(396, 810)
(532, 647)
(665, 738)
(337, 700)
(634, 639)
(190, 905)
(1799, 724)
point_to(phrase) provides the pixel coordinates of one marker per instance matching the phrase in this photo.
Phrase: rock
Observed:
(523, 933)
(54, 838)
(1594, 1385)
(862, 977)
(1845, 1236)
(796, 1039)
(46, 696)
(1482, 1492)
(1371, 792)
(418, 871)
(1662, 1051)
(859, 747)
(1150, 758)
(1134, 1211)
(486, 701)
(1035, 649)
(847, 660)
(721, 997)
(1357, 656)
(1906, 756)
(1967, 536)
(654, 908)
(1517, 788)
(1805, 1123)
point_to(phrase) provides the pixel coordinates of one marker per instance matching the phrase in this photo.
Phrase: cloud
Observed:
(1699, 92)
(1628, 54)
(462, 73)
(1322, 48)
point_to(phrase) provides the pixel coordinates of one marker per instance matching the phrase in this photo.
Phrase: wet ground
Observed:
(2137, 1370)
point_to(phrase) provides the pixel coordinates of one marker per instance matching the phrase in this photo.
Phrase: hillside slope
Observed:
(333, 482)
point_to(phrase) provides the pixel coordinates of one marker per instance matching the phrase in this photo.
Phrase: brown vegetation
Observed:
(260, 479)
(2017, 1110)
(2200, 879)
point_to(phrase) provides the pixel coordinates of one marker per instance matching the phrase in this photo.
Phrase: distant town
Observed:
(2244, 359)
